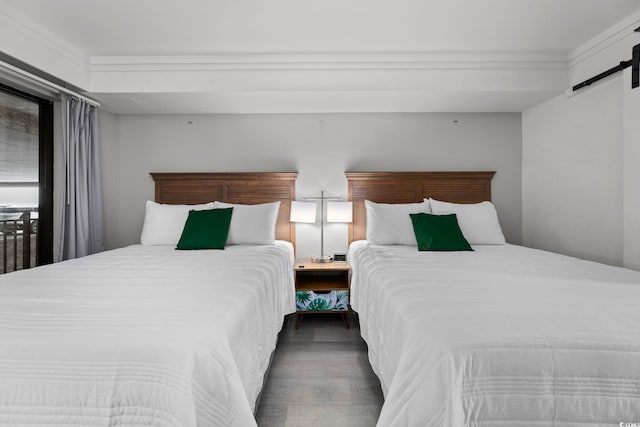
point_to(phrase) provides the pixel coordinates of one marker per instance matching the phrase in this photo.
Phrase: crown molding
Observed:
(44, 37)
(31, 43)
(332, 61)
(605, 39)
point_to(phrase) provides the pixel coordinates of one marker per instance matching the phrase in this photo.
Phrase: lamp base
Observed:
(321, 259)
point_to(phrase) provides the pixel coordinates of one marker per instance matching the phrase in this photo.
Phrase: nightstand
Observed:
(322, 288)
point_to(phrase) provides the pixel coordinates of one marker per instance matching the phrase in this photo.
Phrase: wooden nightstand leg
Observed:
(298, 319)
(345, 317)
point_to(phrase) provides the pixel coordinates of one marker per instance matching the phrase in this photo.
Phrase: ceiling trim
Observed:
(31, 43)
(605, 39)
(332, 61)
(43, 36)
(442, 101)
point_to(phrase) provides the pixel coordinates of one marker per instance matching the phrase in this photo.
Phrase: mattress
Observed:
(143, 335)
(502, 336)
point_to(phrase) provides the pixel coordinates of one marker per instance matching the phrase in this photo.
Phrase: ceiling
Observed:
(161, 27)
(123, 40)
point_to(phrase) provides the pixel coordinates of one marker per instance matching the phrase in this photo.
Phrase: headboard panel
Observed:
(236, 187)
(409, 187)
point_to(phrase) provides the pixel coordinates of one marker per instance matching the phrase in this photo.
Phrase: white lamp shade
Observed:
(303, 212)
(339, 212)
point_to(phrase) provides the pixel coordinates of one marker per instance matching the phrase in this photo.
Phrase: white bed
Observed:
(150, 335)
(503, 336)
(144, 335)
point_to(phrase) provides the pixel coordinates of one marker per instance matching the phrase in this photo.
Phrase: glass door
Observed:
(26, 191)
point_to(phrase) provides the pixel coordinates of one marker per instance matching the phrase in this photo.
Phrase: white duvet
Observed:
(142, 336)
(503, 336)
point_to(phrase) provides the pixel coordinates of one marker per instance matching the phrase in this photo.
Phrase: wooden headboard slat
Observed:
(409, 187)
(231, 187)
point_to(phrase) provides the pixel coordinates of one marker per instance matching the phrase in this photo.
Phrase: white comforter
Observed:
(503, 336)
(142, 336)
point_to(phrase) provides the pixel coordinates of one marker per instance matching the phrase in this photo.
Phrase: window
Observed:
(26, 180)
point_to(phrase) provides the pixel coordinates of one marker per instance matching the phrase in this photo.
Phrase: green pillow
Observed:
(438, 233)
(206, 229)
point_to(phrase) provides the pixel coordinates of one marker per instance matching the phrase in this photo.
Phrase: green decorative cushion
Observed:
(438, 233)
(206, 229)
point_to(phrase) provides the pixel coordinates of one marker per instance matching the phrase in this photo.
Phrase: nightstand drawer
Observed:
(307, 300)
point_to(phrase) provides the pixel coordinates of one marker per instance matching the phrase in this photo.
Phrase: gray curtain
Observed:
(81, 219)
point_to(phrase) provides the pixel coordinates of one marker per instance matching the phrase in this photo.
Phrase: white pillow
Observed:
(163, 224)
(390, 224)
(252, 224)
(478, 221)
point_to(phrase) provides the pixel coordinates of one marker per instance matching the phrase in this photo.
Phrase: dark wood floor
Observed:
(320, 376)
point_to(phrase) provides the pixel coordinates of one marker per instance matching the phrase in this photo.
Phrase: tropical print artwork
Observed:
(311, 301)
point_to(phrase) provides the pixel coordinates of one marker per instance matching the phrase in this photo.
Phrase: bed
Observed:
(149, 335)
(501, 336)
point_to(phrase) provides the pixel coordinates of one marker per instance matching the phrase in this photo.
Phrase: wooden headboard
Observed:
(409, 187)
(237, 187)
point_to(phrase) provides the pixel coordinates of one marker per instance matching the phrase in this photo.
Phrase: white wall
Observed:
(319, 147)
(580, 180)
(631, 168)
(572, 174)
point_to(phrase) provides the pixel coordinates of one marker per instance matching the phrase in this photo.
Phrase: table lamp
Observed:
(305, 212)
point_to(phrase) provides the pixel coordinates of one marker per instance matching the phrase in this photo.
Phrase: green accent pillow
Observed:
(438, 233)
(207, 229)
